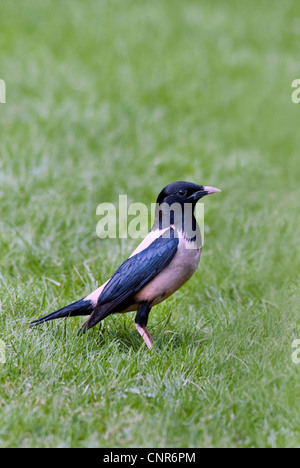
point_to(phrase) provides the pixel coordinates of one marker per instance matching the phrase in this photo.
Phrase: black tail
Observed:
(81, 307)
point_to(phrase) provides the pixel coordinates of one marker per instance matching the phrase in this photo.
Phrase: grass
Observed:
(123, 97)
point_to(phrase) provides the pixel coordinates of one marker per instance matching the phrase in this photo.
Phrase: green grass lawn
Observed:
(122, 97)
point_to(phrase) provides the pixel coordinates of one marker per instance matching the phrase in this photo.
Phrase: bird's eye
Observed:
(181, 192)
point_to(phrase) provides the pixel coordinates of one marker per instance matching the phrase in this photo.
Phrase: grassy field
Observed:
(122, 97)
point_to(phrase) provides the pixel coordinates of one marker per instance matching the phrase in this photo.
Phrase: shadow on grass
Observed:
(126, 338)
(121, 331)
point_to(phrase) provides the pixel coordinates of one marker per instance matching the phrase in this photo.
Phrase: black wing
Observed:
(132, 276)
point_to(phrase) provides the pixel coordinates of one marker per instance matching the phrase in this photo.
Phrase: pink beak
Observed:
(211, 190)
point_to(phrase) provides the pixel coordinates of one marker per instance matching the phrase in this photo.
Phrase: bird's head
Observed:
(184, 192)
(175, 206)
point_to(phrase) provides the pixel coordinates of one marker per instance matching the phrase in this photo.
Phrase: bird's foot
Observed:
(145, 335)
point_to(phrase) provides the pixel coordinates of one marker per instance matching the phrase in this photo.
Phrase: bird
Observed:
(163, 262)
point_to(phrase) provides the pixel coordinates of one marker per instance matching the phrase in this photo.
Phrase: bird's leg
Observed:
(143, 331)
(141, 321)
